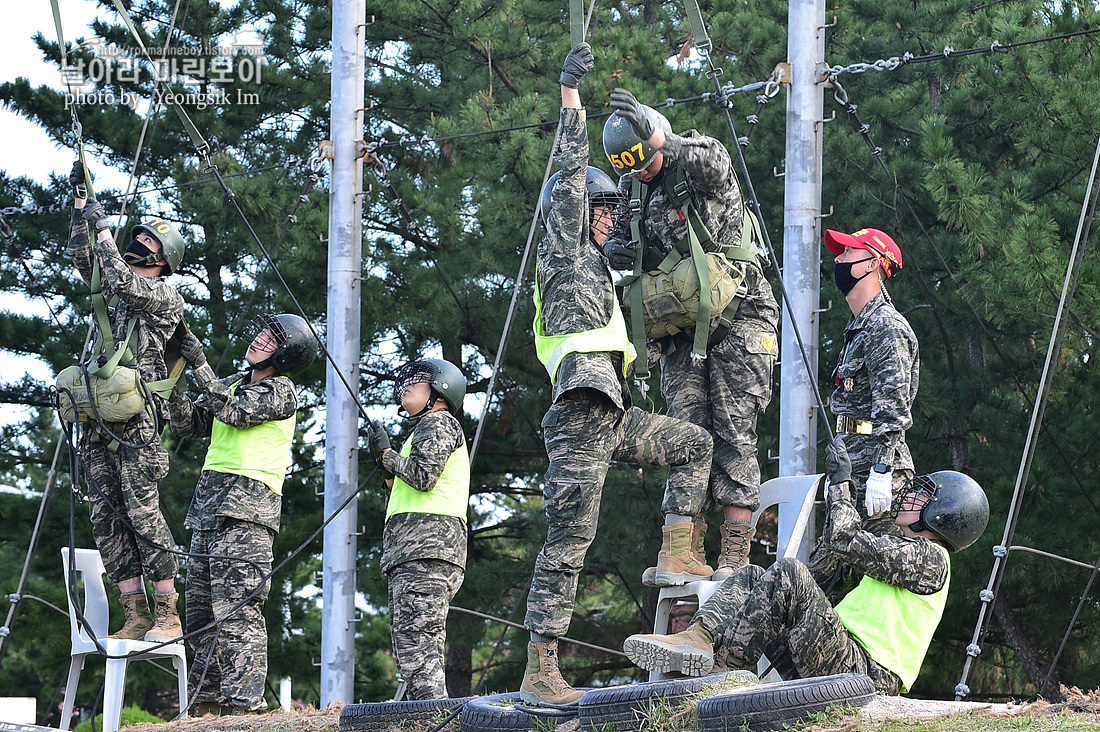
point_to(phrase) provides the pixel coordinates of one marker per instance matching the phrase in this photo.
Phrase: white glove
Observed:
(879, 490)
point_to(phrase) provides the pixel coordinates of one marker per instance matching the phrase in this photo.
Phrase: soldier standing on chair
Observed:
(674, 182)
(124, 468)
(876, 380)
(234, 514)
(581, 339)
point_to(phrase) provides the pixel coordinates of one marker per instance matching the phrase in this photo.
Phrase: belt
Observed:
(853, 426)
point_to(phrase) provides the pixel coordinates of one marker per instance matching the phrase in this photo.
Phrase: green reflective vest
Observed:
(894, 625)
(612, 337)
(449, 496)
(261, 452)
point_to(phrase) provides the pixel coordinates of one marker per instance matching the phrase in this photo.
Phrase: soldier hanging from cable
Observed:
(124, 462)
(234, 514)
(687, 216)
(876, 379)
(424, 539)
(881, 629)
(581, 338)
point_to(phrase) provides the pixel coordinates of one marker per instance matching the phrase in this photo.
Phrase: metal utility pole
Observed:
(345, 250)
(801, 239)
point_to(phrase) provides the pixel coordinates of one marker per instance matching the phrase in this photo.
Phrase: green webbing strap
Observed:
(164, 387)
(99, 309)
(702, 320)
(576, 21)
(200, 144)
(698, 30)
(72, 107)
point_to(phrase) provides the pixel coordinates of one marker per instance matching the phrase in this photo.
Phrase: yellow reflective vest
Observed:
(261, 452)
(449, 496)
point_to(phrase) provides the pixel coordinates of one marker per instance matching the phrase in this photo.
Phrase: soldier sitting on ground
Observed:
(882, 628)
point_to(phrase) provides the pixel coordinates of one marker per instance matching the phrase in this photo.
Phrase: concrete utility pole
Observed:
(345, 251)
(801, 239)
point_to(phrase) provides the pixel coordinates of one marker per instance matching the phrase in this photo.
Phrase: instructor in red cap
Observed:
(876, 382)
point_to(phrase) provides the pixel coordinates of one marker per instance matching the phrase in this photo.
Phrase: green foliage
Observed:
(129, 715)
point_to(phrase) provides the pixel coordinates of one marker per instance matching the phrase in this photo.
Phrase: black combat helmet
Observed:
(602, 191)
(295, 345)
(958, 510)
(444, 378)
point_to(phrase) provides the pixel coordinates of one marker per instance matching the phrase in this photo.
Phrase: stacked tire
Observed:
(508, 713)
(625, 708)
(386, 716)
(782, 704)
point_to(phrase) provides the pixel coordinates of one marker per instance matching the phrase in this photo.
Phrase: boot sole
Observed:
(654, 655)
(530, 697)
(675, 579)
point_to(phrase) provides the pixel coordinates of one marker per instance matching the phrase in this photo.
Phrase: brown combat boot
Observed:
(736, 536)
(167, 626)
(542, 681)
(699, 532)
(677, 562)
(690, 652)
(203, 709)
(135, 608)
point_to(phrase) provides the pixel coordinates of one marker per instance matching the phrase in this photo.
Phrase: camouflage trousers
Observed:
(420, 592)
(724, 394)
(127, 482)
(231, 655)
(783, 614)
(583, 435)
(837, 578)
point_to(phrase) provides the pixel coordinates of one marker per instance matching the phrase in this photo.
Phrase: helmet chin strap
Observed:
(427, 405)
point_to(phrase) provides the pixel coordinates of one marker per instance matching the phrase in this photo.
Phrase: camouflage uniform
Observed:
(234, 519)
(726, 392)
(876, 380)
(127, 481)
(424, 558)
(591, 422)
(783, 614)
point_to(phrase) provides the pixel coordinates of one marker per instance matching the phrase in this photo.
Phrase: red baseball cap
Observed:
(876, 242)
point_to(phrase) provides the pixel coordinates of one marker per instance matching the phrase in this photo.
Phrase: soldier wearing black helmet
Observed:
(721, 380)
(125, 462)
(581, 339)
(882, 628)
(424, 539)
(250, 417)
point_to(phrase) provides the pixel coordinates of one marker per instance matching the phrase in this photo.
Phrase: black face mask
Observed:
(140, 255)
(843, 277)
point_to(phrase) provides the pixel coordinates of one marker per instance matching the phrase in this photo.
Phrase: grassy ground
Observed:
(1080, 713)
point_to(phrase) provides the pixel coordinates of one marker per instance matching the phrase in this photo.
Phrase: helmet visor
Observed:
(917, 493)
(265, 333)
(411, 373)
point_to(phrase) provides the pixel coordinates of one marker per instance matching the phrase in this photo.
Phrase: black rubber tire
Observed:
(623, 708)
(771, 706)
(384, 716)
(507, 713)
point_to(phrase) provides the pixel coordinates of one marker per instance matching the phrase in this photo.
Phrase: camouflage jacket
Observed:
(716, 195)
(573, 279)
(876, 378)
(223, 494)
(156, 303)
(409, 536)
(912, 563)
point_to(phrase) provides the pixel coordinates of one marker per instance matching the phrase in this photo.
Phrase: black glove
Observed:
(577, 64)
(192, 351)
(838, 466)
(78, 179)
(93, 214)
(379, 443)
(619, 255)
(633, 112)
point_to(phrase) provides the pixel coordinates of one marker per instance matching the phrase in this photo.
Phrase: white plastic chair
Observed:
(89, 567)
(794, 495)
